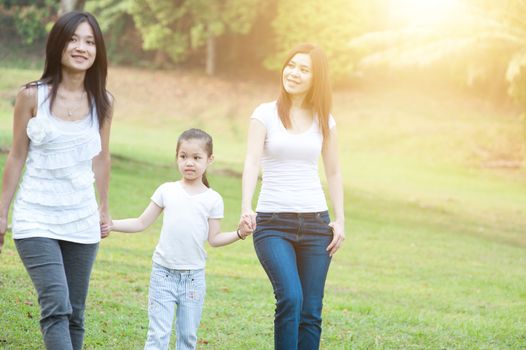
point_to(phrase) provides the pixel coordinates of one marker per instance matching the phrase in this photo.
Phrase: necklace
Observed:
(72, 109)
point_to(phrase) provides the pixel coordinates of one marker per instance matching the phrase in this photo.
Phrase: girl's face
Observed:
(192, 159)
(297, 75)
(80, 52)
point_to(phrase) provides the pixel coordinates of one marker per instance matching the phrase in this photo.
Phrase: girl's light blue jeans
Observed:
(174, 291)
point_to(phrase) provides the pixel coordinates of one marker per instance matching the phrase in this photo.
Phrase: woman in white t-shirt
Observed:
(192, 215)
(293, 235)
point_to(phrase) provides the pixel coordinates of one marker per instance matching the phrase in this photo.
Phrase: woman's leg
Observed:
(161, 306)
(274, 242)
(78, 263)
(191, 299)
(313, 264)
(42, 259)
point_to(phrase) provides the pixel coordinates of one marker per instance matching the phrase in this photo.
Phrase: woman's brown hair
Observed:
(319, 97)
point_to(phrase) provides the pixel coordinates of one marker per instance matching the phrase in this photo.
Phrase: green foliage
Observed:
(122, 38)
(30, 19)
(330, 24)
(178, 27)
(483, 42)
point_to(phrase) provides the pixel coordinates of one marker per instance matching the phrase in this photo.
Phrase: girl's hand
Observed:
(338, 237)
(105, 223)
(244, 227)
(250, 217)
(105, 229)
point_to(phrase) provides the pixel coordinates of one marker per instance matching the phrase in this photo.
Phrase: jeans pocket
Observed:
(196, 287)
(264, 218)
(322, 218)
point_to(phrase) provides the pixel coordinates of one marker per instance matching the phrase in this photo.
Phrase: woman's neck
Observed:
(72, 80)
(296, 101)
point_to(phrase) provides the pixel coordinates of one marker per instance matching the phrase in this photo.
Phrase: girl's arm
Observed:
(334, 180)
(24, 110)
(139, 224)
(102, 168)
(218, 239)
(255, 144)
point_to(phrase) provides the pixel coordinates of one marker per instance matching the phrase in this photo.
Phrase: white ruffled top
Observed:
(56, 198)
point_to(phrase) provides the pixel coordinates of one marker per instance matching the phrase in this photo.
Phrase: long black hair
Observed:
(95, 79)
(197, 134)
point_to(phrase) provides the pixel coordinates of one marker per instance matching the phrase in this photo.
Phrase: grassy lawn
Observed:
(436, 251)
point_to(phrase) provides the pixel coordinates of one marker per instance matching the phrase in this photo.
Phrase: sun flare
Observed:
(422, 10)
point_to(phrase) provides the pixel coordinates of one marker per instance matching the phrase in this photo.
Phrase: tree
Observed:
(484, 40)
(177, 28)
(330, 24)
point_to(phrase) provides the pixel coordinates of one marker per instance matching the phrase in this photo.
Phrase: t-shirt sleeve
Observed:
(217, 211)
(157, 196)
(332, 122)
(261, 114)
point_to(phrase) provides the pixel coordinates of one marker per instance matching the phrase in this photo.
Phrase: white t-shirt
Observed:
(290, 165)
(185, 225)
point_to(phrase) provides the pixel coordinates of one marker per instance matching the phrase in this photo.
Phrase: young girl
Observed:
(192, 213)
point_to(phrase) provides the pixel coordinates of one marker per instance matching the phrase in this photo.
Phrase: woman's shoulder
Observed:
(27, 98)
(265, 111)
(266, 107)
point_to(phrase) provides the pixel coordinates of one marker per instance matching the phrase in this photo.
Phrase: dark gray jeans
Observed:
(60, 271)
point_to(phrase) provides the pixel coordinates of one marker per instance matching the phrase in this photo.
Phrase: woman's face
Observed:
(80, 52)
(297, 75)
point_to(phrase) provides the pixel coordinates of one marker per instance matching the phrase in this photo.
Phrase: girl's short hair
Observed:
(95, 79)
(319, 97)
(197, 134)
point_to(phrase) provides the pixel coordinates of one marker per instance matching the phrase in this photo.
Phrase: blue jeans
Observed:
(60, 272)
(169, 288)
(291, 247)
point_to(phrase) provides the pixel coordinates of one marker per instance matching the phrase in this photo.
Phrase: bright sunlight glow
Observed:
(422, 10)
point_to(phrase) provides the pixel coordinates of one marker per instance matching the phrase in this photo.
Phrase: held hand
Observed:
(244, 227)
(250, 217)
(338, 237)
(3, 229)
(105, 223)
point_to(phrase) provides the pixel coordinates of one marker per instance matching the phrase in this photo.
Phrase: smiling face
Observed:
(193, 159)
(80, 52)
(297, 75)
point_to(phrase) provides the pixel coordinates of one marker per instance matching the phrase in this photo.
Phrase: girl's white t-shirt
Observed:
(185, 225)
(289, 163)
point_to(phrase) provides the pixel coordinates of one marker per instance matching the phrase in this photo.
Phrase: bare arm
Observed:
(131, 225)
(255, 144)
(334, 180)
(216, 238)
(102, 168)
(25, 107)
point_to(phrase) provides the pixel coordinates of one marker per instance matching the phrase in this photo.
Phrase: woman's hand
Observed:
(249, 216)
(338, 237)
(3, 229)
(244, 227)
(105, 223)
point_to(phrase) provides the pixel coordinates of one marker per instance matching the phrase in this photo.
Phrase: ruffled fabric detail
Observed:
(77, 182)
(56, 217)
(51, 199)
(40, 130)
(67, 158)
(56, 198)
(86, 224)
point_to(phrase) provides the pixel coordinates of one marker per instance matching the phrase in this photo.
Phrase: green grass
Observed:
(435, 256)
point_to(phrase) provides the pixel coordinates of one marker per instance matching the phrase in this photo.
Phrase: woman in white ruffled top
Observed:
(61, 134)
